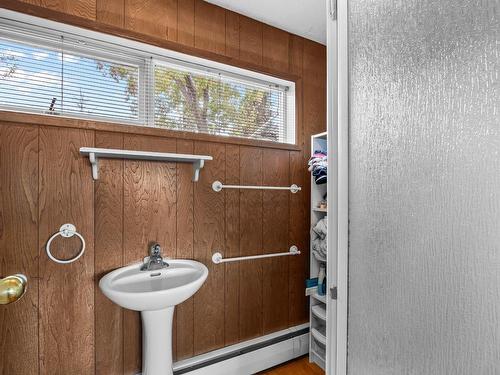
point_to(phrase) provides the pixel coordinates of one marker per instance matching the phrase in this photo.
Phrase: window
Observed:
(61, 73)
(55, 81)
(215, 103)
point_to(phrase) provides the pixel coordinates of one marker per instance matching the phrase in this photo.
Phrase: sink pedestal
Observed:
(155, 294)
(157, 341)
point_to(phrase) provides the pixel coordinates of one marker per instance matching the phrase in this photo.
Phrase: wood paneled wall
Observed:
(64, 325)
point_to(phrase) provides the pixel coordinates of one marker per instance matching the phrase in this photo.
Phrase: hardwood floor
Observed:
(300, 366)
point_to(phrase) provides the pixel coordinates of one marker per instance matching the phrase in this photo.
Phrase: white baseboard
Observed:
(249, 361)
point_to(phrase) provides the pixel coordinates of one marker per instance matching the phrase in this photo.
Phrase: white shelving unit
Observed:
(317, 314)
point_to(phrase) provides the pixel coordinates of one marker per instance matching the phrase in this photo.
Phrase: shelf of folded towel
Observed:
(318, 168)
(317, 209)
(318, 162)
(318, 239)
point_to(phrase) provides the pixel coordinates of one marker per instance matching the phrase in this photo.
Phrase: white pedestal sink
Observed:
(155, 294)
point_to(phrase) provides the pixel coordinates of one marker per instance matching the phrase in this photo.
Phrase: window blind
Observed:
(217, 103)
(56, 77)
(57, 73)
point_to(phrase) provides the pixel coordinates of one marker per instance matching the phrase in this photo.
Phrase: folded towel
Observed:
(318, 239)
(321, 228)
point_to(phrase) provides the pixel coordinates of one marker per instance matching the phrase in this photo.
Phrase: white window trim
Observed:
(146, 103)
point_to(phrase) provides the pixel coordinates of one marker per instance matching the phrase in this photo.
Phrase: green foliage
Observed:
(185, 99)
(10, 63)
(202, 103)
(122, 73)
(210, 105)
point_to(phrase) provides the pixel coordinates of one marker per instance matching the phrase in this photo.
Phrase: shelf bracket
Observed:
(95, 166)
(197, 165)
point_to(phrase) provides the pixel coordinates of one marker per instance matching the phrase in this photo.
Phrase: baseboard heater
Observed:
(251, 356)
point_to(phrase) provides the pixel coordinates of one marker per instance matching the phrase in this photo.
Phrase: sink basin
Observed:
(133, 289)
(155, 294)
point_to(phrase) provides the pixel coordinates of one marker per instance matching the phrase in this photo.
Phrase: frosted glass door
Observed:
(424, 187)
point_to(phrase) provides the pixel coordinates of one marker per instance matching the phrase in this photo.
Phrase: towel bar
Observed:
(217, 257)
(218, 186)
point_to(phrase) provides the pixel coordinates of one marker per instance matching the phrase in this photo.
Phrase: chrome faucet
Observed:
(154, 261)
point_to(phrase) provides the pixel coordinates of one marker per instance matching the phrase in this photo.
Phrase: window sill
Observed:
(69, 122)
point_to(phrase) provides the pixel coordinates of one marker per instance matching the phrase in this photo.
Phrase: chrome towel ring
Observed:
(66, 231)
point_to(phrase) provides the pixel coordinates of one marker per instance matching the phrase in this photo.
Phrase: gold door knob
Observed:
(12, 288)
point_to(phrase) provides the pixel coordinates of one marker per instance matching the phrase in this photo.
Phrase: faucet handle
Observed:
(154, 261)
(155, 249)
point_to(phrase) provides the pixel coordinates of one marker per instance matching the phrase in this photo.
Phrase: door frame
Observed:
(338, 155)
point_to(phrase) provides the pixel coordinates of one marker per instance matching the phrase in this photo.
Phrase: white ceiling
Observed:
(306, 18)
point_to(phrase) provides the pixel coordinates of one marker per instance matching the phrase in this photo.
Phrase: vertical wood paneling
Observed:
(147, 17)
(299, 202)
(250, 40)
(19, 246)
(111, 12)
(108, 255)
(210, 27)
(208, 236)
(19, 332)
(185, 22)
(299, 236)
(275, 307)
(171, 6)
(314, 85)
(149, 201)
(275, 43)
(296, 54)
(160, 203)
(19, 200)
(185, 243)
(66, 291)
(295, 49)
(80, 8)
(250, 243)
(232, 247)
(232, 34)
